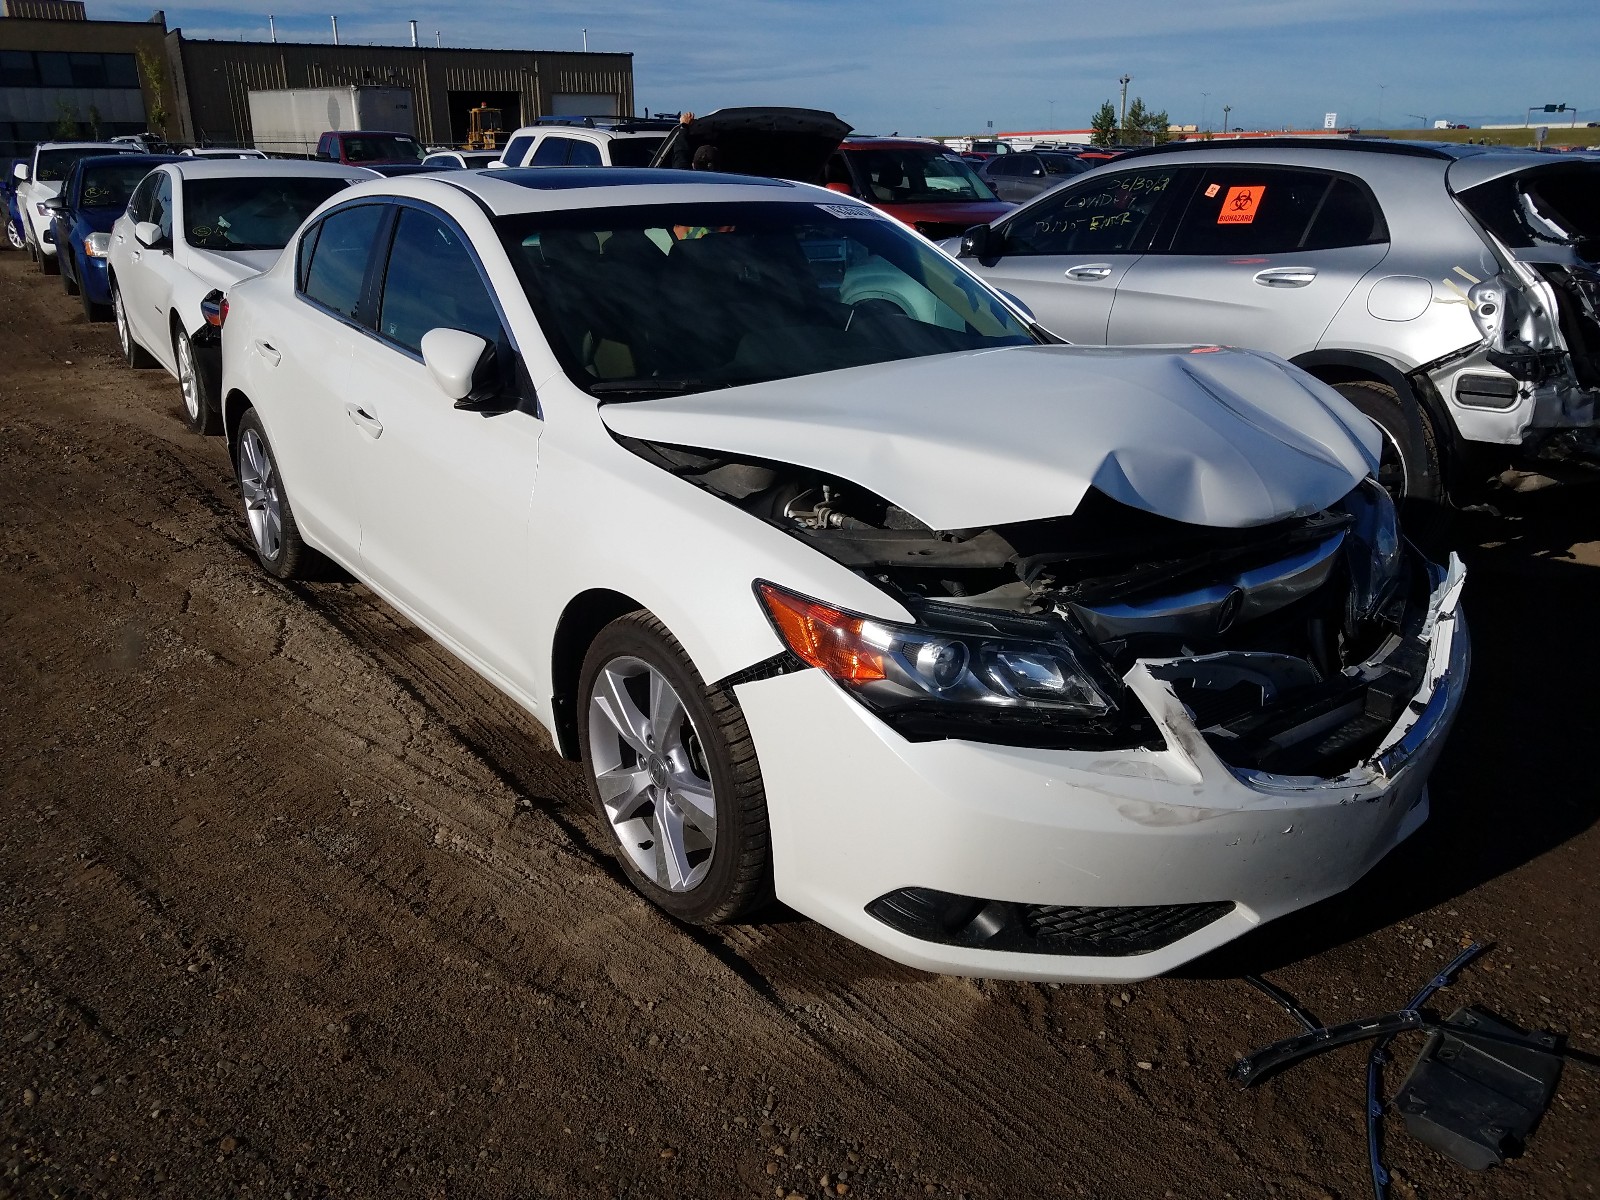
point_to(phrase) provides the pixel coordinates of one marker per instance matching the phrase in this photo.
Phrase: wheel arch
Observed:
(234, 405)
(1353, 366)
(585, 615)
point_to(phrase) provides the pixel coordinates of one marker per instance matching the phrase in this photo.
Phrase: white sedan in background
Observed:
(999, 656)
(193, 228)
(223, 152)
(41, 179)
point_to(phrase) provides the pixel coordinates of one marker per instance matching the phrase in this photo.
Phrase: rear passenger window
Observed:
(552, 152)
(432, 282)
(339, 258)
(1247, 210)
(1113, 215)
(583, 154)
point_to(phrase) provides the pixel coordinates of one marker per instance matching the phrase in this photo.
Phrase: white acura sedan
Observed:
(196, 227)
(998, 656)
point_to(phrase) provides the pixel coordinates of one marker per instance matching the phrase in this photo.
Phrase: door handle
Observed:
(268, 352)
(364, 420)
(1286, 276)
(1089, 271)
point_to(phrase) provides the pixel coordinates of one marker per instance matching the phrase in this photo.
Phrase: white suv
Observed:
(586, 142)
(42, 180)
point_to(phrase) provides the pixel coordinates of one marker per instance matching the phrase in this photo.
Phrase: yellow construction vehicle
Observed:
(483, 128)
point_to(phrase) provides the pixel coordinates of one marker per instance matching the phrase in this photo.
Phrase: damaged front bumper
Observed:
(1014, 862)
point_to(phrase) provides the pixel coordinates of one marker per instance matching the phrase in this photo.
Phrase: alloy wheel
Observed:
(263, 501)
(14, 236)
(124, 334)
(188, 379)
(652, 776)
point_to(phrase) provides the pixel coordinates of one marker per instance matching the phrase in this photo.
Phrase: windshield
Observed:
(54, 164)
(661, 299)
(108, 185)
(634, 151)
(381, 147)
(918, 175)
(1557, 204)
(243, 213)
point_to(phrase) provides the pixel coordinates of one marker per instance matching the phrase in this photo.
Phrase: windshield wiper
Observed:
(643, 388)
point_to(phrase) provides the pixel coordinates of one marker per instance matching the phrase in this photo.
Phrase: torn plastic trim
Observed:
(1429, 712)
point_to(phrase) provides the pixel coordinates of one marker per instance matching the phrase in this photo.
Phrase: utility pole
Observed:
(1052, 104)
(586, 41)
(1122, 120)
(1204, 98)
(1381, 88)
(1226, 109)
(1419, 117)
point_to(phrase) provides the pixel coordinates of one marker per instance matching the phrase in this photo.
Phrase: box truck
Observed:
(291, 120)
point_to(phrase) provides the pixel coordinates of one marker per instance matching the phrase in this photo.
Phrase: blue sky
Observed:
(938, 66)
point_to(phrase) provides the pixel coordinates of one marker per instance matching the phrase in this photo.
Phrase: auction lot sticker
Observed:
(1240, 204)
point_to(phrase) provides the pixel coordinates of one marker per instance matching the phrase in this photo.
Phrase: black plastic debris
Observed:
(1479, 1087)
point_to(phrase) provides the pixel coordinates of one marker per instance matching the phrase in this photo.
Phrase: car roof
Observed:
(1444, 151)
(108, 147)
(263, 168)
(155, 160)
(869, 142)
(553, 189)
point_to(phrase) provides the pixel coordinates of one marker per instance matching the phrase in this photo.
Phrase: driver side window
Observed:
(1115, 215)
(161, 208)
(143, 196)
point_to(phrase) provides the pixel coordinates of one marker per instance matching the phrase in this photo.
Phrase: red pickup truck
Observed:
(366, 148)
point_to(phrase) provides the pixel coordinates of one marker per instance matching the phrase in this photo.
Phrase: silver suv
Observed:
(586, 142)
(1447, 291)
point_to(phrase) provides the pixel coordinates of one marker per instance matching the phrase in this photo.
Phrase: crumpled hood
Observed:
(98, 220)
(224, 268)
(1225, 438)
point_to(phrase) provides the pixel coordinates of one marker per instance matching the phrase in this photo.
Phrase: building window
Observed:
(20, 68)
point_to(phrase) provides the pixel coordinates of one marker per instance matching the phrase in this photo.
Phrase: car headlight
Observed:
(891, 666)
(1377, 552)
(96, 245)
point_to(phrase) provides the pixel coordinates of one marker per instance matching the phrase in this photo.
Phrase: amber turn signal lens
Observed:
(823, 637)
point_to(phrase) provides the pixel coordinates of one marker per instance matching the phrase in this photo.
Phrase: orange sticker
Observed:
(1213, 190)
(1240, 204)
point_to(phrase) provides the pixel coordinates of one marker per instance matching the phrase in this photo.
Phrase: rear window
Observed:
(1557, 204)
(634, 151)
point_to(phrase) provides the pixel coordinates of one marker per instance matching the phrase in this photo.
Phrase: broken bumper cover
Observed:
(859, 814)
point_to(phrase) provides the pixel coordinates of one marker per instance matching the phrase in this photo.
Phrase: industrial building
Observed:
(62, 74)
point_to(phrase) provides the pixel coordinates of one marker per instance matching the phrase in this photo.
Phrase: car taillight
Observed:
(214, 308)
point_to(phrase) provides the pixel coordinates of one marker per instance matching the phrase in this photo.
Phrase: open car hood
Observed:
(781, 143)
(1225, 438)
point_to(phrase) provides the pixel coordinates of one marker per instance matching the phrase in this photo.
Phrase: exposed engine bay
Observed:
(1295, 645)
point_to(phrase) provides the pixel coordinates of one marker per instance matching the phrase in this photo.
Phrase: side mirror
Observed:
(840, 187)
(148, 235)
(981, 241)
(21, 173)
(55, 204)
(466, 369)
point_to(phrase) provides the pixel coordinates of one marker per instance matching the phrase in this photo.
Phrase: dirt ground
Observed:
(293, 905)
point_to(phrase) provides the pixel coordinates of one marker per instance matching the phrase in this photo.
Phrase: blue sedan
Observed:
(94, 194)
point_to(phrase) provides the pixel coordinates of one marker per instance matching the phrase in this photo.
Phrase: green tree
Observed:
(66, 122)
(1143, 127)
(94, 121)
(1104, 124)
(154, 69)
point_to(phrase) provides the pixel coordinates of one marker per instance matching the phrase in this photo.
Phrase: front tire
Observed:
(50, 264)
(1409, 467)
(68, 284)
(673, 776)
(267, 511)
(135, 355)
(199, 414)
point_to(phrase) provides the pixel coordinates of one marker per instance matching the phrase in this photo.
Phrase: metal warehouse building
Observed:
(60, 71)
(215, 78)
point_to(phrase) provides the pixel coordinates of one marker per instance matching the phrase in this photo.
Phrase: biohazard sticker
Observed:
(1213, 190)
(1240, 204)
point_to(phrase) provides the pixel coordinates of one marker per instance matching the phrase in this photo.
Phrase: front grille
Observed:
(1106, 932)
(1116, 931)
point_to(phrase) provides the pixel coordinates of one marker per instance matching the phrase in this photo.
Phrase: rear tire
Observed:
(14, 237)
(1409, 468)
(134, 354)
(280, 549)
(680, 748)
